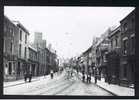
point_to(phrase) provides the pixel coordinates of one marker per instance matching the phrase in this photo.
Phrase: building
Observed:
(23, 52)
(33, 61)
(15, 49)
(113, 56)
(102, 48)
(43, 61)
(39, 43)
(38, 37)
(10, 49)
(87, 60)
(53, 63)
(128, 49)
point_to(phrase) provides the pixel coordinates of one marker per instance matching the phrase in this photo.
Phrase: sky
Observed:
(70, 30)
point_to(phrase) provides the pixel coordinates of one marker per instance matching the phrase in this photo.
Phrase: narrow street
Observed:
(59, 85)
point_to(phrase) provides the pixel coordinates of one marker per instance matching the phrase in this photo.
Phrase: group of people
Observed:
(88, 79)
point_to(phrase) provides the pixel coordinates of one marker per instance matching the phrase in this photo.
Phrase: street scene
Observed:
(70, 51)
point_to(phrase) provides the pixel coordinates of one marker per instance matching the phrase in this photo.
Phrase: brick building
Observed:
(128, 49)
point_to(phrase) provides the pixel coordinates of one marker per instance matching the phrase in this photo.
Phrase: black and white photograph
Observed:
(69, 51)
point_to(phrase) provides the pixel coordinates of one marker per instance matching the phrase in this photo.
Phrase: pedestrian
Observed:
(89, 77)
(51, 73)
(96, 76)
(83, 78)
(30, 76)
(25, 76)
(109, 79)
(95, 79)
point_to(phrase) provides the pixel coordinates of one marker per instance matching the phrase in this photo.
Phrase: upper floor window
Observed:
(125, 44)
(25, 53)
(111, 44)
(4, 45)
(133, 43)
(21, 35)
(116, 42)
(5, 28)
(125, 26)
(133, 20)
(12, 31)
(25, 38)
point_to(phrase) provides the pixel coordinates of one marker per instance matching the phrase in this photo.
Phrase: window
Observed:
(133, 67)
(5, 28)
(125, 46)
(4, 45)
(133, 44)
(20, 50)
(125, 27)
(125, 70)
(21, 35)
(11, 47)
(12, 32)
(18, 68)
(111, 44)
(26, 38)
(10, 68)
(133, 22)
(116, 42)
(25, 52)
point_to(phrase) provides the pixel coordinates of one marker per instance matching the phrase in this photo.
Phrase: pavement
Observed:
(21, 81)
(114, 88)
(60, 85)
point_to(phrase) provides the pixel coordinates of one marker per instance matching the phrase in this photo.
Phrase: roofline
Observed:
(128, 15)
(32, 48)
(114, 31)
(21, 26)
(10, 20)
(87, 50)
